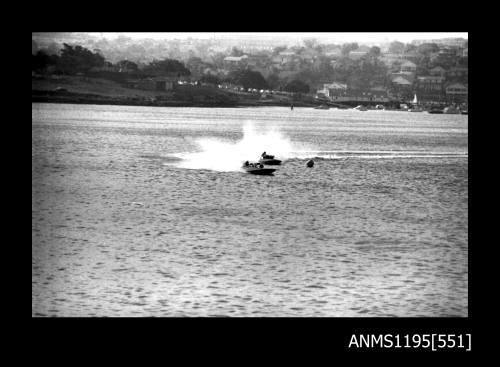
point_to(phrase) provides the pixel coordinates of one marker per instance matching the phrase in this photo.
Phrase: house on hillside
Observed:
(404, 74)
(457, 72)
(234, 62)
(443, 56)
(401, 81)
(401, 84)
(389, 58)
(284, 59)
(356, 55)
(437, 71)
(408, 67)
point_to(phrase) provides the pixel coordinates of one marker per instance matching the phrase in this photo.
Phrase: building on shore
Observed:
(430, 83)
(430, 88)
(338, 92)
(332, 89)
(457, 92)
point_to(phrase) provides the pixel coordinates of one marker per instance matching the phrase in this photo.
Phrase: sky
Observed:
(361, 37)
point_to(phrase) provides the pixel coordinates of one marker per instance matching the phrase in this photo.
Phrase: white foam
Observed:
(220, 155)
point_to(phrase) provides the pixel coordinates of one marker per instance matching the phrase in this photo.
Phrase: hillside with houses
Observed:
(207, 71)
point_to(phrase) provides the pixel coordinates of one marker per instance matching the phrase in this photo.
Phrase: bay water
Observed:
(145, 211)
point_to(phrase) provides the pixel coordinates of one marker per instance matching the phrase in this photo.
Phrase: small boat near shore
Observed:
(360, 108)
(257, 169)
(322, 107)
(451, 110)
(415, 107)
(435, 110)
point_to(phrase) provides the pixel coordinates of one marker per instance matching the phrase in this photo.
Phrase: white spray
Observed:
(220, 155)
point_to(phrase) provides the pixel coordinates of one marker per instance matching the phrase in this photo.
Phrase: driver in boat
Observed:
(246, 164)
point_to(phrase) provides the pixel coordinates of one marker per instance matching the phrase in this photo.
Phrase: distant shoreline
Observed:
(83, 90)
(80, 98)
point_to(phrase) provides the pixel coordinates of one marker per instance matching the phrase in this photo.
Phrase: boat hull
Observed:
(260, 171)
(270, 161)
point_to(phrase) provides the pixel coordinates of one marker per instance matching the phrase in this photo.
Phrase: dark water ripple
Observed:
(116, 232)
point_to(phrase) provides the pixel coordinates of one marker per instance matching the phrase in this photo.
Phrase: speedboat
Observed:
(258, 169)
(269, 160)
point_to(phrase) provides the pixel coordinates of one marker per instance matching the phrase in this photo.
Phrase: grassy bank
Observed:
(101, 91)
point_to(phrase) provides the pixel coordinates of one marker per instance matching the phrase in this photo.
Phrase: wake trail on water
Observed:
(220, 155)
(376, 154)
(226, 156)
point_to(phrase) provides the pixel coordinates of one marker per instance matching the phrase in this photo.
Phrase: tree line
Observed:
(73, 60)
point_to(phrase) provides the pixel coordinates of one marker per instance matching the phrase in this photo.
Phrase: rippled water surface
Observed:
(137, 212)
